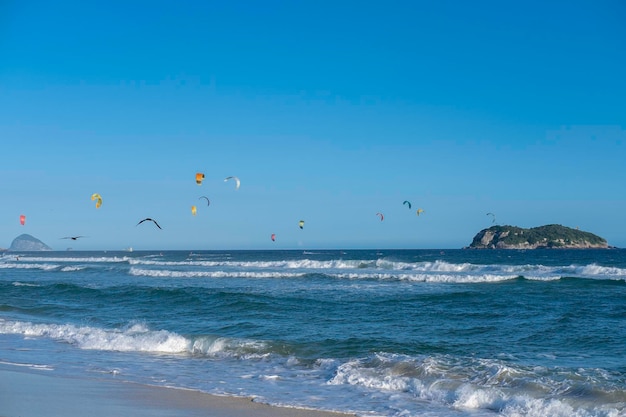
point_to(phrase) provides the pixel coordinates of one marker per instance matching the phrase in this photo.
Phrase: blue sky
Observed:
(328, 112)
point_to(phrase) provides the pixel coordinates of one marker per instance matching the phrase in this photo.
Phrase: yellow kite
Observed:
(97, 198)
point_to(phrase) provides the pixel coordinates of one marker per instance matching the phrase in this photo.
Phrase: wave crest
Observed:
(137, 337)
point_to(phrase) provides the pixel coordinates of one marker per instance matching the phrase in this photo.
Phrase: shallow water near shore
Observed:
(380, 333)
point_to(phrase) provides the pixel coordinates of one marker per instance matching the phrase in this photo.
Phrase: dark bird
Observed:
(150, 220)
(72, 237)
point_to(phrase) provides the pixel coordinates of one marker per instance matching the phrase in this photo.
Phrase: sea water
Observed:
(377, 333)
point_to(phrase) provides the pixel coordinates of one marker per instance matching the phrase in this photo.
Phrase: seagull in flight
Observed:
(149, 220)
(72, 237)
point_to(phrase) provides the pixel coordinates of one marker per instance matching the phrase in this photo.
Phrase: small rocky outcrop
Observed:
(27, 243)
(552, 236)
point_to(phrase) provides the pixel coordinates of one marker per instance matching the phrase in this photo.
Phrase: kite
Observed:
(494, 217)
(98, 198)
(381, 216)
(149, 220)
(208, 203)
(193, 210)
(22, 219)
(301, 224)
(408, 203)
(273, 237)
(199, 178)
(237, 182)
(419, 211)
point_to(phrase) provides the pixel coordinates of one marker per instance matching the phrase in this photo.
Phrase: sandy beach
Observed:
(41, 393)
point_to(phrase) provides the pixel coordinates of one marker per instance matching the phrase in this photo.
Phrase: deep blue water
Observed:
(379, 333)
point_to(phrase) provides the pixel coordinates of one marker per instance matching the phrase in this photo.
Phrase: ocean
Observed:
(399, 333)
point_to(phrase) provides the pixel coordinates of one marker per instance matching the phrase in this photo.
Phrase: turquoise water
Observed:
(378, 333)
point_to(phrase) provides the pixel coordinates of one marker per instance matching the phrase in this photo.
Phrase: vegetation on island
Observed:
(549, 236)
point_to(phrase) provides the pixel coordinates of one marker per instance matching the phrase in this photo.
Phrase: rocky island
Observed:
(27, 243)
(552, 236)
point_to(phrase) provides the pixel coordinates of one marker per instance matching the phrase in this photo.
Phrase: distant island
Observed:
(553, 236)
(27, 243)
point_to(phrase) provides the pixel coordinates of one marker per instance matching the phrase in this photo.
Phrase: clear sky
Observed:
(327, 111)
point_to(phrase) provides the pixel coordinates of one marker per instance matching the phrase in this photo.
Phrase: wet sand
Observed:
(41, 393)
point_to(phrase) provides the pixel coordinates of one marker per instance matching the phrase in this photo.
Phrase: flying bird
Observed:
(149, 220)
(72, 237)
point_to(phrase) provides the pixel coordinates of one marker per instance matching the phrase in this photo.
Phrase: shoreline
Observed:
(29, 393)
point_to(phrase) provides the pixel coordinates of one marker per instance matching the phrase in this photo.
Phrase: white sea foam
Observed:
(70, 259)
(594, 270)
(381, 268)
(361, 275)
(165, 273)
(432, 278)
(136, 338)
(284, 264)
(25, 284)
(228, 347)
(24, 265)
(72, 268)
(434, 273)
(470, 385)
(29, 365)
